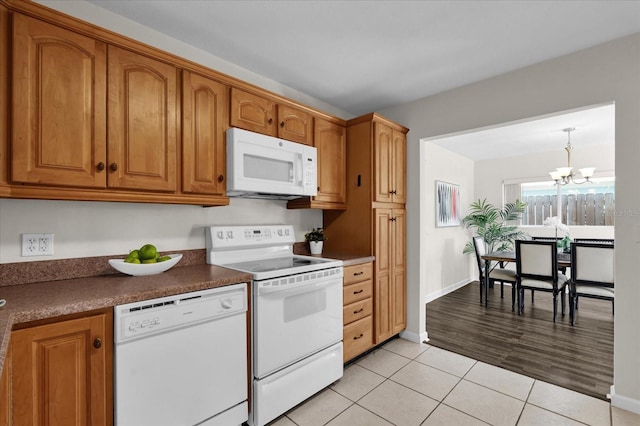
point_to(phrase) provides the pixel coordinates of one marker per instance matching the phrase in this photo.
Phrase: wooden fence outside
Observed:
(577, 209)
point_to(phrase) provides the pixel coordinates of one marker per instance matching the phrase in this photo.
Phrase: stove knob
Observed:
(286, 232)
(230, 234)
(220, 235)
(280, 232)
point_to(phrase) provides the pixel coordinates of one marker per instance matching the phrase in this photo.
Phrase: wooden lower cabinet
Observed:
(62, 372)
(357, 310)
(5, 391)
(390, 287)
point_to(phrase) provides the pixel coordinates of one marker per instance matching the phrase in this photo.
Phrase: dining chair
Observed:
(495, 273)
(537, 269)
(592, 266)
(556, 239)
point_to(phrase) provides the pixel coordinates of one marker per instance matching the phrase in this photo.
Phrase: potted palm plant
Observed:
(316, 239)
(494, 225)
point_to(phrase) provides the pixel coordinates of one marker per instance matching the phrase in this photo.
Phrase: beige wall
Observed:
(444, 245)
(605, 73)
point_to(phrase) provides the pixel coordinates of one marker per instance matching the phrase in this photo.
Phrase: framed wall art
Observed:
(447, 204)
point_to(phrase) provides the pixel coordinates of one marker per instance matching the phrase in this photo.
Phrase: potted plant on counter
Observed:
(316, 239)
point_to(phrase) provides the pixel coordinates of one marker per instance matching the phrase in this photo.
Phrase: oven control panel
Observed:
(220, 237)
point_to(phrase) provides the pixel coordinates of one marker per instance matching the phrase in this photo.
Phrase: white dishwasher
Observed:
(182, 360)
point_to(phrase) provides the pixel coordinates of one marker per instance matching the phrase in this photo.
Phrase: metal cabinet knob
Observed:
(113, 167)
(97, 343)
(100, 166)
(220, 178)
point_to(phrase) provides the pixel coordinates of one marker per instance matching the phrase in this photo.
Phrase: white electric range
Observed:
(296, 312)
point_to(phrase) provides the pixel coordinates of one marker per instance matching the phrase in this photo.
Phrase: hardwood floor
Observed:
(579, 358)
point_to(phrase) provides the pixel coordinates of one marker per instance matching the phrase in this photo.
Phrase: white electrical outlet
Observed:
(37, 244)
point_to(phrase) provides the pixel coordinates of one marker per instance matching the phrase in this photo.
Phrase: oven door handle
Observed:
(288, 290)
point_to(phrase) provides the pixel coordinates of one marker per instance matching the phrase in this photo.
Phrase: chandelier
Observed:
(565, 175)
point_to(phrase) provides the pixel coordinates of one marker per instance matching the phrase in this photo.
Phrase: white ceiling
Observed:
(364, 56)
(593, 126)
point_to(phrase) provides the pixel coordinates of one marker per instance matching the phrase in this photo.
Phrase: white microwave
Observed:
(261, 166)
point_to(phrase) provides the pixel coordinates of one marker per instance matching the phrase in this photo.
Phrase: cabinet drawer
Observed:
(355, 273)
(358, 291)
(357, 337)
(357, 310)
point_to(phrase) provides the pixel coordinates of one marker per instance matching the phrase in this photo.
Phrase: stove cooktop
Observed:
(283, 263)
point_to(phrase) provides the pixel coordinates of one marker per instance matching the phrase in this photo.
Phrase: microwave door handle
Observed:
(300, 169)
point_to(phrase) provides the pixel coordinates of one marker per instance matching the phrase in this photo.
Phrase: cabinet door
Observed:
(390, 290)
(58, 106)
(204, 120)
(330, 141)
(62, 373)
(6, 396)
(383, 291)
(295, 125)
(142, 122)
(252, 112)
(398, 281)
(383, 157)
(399, 167)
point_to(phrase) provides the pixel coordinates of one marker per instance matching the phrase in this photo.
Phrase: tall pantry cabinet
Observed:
(374, 222)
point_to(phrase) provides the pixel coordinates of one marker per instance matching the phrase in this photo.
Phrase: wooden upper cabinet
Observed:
(142, 122)
(263, 115)
(58, 106)
(390, 164)
(399, 166)
(330, 141)
(205, 115)
(295, 125)
(253, 112)
(62, 373)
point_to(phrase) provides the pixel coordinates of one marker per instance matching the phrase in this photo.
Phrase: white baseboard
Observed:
(447, 290)
(414, 337)
(624, 402)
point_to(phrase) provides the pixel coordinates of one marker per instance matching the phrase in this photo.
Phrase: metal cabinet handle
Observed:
(358, 337)
(113, 167)
(358, 311)
(100, 166)
(97, 343)
(359, 291)
(355, 274)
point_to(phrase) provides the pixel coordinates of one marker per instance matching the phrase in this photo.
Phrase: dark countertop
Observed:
(348, 259)
(43, 300)
(72, 286)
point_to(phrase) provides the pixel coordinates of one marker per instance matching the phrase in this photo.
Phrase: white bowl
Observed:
(138, 269)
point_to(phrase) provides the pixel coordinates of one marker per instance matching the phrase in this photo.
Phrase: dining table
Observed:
(564, 261)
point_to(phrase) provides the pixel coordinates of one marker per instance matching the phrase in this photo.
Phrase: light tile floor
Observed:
(406, 384)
